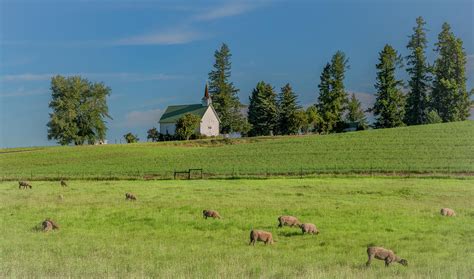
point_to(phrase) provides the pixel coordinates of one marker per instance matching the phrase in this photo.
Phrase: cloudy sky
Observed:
(157, 53)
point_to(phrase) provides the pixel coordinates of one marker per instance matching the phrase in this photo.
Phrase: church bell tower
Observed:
(206, 100)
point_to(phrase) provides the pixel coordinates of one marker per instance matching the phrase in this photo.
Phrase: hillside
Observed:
(439, 148)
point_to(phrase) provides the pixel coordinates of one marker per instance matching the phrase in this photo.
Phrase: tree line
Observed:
(434, 93)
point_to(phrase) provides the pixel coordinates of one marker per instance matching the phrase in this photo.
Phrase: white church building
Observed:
(209, 125)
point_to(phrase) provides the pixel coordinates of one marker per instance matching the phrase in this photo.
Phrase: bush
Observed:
(433, 118)
(131, 138)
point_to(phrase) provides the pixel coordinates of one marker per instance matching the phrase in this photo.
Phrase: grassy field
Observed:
(162, 234)
(444, 148)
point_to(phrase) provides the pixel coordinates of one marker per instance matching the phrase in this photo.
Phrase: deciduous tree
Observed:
(130, 138)
(153, 135)
(79, 109)
(186, 126)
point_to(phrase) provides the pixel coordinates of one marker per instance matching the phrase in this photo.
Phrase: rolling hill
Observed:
(438, 148)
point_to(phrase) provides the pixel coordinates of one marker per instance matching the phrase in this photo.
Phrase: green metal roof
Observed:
(173, 113)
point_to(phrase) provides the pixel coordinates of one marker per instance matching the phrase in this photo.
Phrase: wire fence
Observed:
(199, 173)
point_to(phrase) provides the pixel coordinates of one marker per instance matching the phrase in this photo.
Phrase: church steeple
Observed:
(206, 100)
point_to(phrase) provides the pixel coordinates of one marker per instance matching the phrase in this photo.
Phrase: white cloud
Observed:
(228, 9)
(121, 76)
(139, 118)
(173, 36)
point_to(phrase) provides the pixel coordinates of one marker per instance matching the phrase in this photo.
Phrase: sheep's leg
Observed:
(369, 260)
(387, 262)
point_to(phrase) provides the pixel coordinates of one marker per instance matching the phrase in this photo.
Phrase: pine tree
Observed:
(288, 122)
(332, 95)
(389, 107)
(450, 98)
(263, 110)
(418, 70)
(224, 94)
(355, 114)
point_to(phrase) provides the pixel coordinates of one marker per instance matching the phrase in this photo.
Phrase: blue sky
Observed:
(157, 53)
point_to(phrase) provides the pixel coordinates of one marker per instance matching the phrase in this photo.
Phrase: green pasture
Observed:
(440, 148)
(163, 234)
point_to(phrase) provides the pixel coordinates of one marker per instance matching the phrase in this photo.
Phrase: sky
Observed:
(158, 53)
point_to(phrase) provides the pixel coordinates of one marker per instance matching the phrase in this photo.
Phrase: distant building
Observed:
(209, 120)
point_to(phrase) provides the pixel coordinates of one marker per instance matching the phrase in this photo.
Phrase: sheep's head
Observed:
(403, 262)
(317, 231)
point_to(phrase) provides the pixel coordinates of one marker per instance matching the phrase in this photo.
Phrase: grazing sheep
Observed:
(309, 228)
(24, 185)
(288, 221)
(63, 183)
(447, 212)
(386, 255)
(256, 235)
(49, 225)
(211, 213)
(130, 196)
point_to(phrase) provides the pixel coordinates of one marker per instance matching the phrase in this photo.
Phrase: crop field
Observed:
(163, 234)
(439, 148)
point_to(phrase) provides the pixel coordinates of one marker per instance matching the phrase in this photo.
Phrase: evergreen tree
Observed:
(263, 110)
(450, 98)
(224, 94)
(287, 107)
(79, 110)
(418, 70)
(355, 114)
(332, 95)
(389, 107)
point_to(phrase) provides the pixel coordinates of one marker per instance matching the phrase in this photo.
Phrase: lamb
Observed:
(288, 221)
(309, 228)
(24, 185)
(63, 183)
(386, 255)
(256, 235)
(447, 212)
(130, 196)
(49, 225)
(211, 213)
